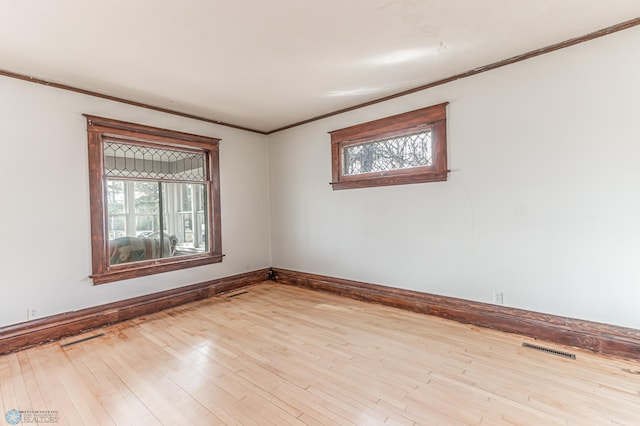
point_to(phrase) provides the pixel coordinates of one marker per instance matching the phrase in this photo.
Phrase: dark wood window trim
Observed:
(99, 129)
(433, 117)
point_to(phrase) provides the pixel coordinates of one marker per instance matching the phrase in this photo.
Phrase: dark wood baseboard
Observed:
(600, 338)
(30, 333)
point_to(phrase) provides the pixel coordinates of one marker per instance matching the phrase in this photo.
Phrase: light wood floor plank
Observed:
(113, 394)
(9, 400)
(71, 394)
(30, 381)
(54, 395)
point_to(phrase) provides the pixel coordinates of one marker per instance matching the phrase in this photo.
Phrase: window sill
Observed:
(397, 179)
(156, 267)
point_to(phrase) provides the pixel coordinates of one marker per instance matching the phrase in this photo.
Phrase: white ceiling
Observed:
(268, 64)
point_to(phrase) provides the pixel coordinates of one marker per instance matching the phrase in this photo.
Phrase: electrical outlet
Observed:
(31, 313)
(498, 297)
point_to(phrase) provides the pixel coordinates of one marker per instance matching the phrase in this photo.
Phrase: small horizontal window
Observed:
(402, 149)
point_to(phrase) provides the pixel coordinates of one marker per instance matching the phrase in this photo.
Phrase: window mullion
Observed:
(161, 218)
(130, 209)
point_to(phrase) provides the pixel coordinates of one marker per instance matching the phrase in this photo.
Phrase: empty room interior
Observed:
(394, 212)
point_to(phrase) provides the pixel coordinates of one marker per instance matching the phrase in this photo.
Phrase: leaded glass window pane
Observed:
(139, 161)
(401, 152)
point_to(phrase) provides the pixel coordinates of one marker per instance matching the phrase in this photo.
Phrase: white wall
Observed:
(543, 202)
(45, 256)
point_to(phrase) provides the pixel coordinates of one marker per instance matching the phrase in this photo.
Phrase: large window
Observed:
(155, 200)
(404, 148)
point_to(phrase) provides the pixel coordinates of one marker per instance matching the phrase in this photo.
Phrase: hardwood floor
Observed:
(284, 355)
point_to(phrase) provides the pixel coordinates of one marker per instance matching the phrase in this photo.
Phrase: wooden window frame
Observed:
(433, 117)
(99, 129)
